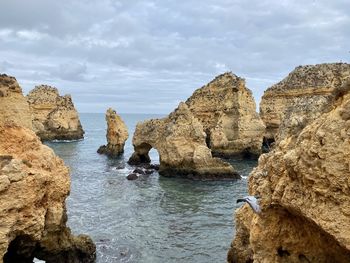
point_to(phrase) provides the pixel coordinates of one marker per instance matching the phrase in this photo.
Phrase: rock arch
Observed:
(181, 144)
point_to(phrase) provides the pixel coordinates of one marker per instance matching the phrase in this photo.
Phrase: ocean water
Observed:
(153, 219)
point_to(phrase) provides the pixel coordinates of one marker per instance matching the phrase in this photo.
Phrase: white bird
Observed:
(252, 201)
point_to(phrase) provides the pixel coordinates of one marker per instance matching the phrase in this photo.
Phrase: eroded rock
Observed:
(288, 106)
(304, 188)
(227, 111)
(117, 134)
(34, 184)
(180, 142)
(54, 116)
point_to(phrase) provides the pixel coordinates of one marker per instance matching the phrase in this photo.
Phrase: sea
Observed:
(152, 219)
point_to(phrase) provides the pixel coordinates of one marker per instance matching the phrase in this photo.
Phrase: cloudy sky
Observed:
(147, 56)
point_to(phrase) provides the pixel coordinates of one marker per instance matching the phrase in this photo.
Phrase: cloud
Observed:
(165, 49)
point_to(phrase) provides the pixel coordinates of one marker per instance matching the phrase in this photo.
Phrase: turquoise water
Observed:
(153, 219)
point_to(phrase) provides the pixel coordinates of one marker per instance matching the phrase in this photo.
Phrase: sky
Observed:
(147, 56)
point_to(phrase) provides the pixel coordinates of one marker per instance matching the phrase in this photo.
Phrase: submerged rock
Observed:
(288, 106)
(117, 134)
(304, 188)
(180, 142)
(34, 184)
(54, 116)
(132, 176)
(227, 111)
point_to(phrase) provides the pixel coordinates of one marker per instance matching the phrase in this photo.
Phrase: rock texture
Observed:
(14, 108)
(180, 142)
(288, 106)
(34, 184)
(304, 185)
(54, 116)
(227, 111)
(117, 134)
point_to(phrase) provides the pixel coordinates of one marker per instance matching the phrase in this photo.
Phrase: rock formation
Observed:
(14, 108)
(288, 106)
(34, 184)
(117, 134)
(304, 185)
(54, 116)
(227, 111)
(180, 142)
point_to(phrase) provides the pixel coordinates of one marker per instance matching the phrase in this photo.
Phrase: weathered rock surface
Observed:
(117, 134)
(54, 116)
(288, 106)
(34, 184)
(14, 108)
(180, 142)
(304, 185)
(227, 111)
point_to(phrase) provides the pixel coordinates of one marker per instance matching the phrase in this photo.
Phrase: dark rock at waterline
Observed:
(150, 166)
(120, 166)
(139, 171)
(148, 171)
(132, 176)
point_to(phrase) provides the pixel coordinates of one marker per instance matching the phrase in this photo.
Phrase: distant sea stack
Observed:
(180, 142)
(304, 188)
(288, 106)
(34, 184)
(117, 134)
(54, 116)
(226, 109)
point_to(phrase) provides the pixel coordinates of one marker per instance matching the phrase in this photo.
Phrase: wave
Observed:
(67, 141)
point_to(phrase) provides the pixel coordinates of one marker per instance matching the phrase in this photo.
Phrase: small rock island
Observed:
(117, 134)
(54, 116)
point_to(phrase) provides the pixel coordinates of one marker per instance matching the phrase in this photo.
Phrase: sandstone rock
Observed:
(54, 116)
(34, 184)
(288, 106)
(117, 134)
(304, 188)
(14, 108)
(227, 111)
(180, 142)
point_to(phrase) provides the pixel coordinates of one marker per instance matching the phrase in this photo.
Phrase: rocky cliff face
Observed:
(227, 111)
(117, 134)
(54, 116)
(301, 97)
(304, 187)
(14, 108)
(34, 184)
(180, 142)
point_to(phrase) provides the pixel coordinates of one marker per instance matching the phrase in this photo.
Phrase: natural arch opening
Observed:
(20, 250)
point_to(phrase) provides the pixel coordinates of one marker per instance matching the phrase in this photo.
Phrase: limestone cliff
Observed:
(304, 185)
(14, 108)
(34, 184)
(301, 97)
(54, 116)
(227, 111)
(180, 142)
(117, 134)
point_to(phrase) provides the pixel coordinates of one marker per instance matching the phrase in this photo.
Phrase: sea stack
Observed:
(180, 142)
(288, 106)
(54, 116)
(117, 134)
(34, 184)
(227, 110)
(304, 187)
